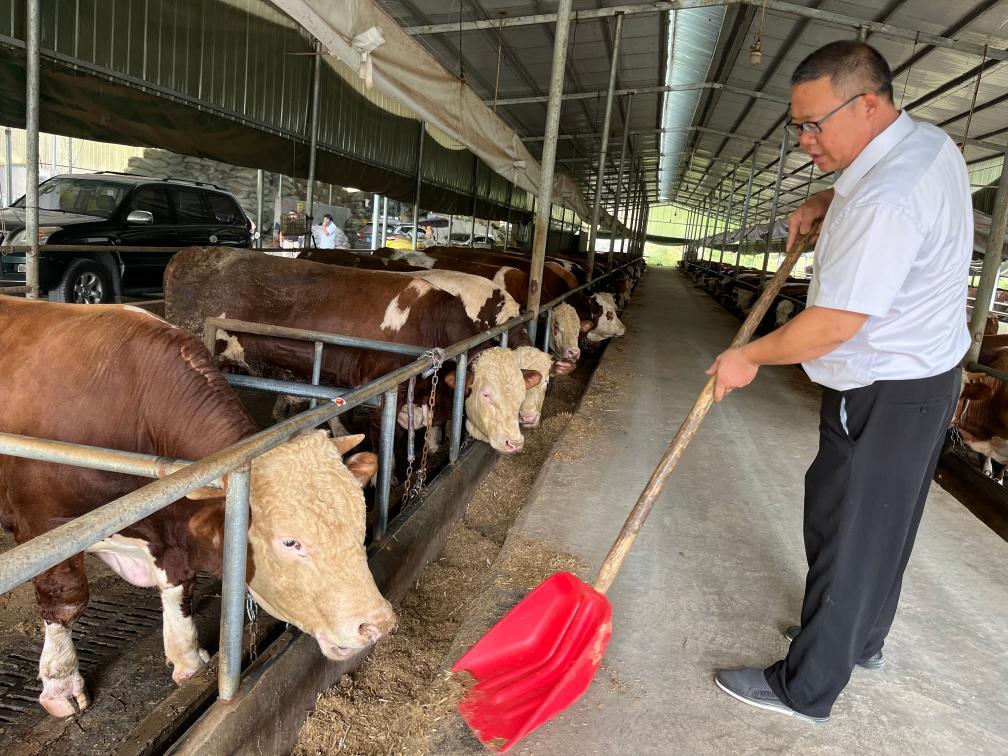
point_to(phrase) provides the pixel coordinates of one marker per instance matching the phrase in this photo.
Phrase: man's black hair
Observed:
(852, 67)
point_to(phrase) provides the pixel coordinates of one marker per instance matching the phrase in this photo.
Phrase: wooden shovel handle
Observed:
(689, 427)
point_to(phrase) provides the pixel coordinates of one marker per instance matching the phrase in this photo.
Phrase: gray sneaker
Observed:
(749, 686)
(875, 661)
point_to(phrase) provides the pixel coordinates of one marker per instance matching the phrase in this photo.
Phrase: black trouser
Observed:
(864, 495)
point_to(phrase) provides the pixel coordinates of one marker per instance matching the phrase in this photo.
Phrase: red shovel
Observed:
(542, 655)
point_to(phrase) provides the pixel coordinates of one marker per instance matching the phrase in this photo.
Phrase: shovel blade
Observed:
(536, 661)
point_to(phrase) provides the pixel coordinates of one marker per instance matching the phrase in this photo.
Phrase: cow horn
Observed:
(344, 444)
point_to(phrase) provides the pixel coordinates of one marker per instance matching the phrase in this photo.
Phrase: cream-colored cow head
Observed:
(530, 358)
(567, 329)
(495, 390)
(307, 563)
(609, 324)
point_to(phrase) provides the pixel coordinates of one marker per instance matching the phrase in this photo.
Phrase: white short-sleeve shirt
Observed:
(896, 245)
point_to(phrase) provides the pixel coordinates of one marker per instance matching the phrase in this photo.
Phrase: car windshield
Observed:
(80, 195)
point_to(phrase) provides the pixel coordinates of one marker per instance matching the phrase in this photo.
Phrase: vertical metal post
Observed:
(472, 220)
(631, 189)
(548, 330)
(774, 200)
(316, 370)
(630, 239)
(990, 272)
(70, 155)
(507, 217)
(32, 146)
(236, 523)
(9, 172)
(451, 222)
(619, 177)
(547, 165)
(458, 406)
(259, 207)
(384, 221)
(706, 221)
(727, 222)
(419, 184)
(374, 222)
(385, 461)
(313, 137)
(641, 218)
(745, 208)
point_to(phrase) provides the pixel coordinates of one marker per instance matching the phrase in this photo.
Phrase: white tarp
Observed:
(981, 233)
(365, 38)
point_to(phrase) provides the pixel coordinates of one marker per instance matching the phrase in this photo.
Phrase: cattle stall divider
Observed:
(230, 467)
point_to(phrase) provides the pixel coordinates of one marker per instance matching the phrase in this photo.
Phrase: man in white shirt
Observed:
(884, 334)
(329, 235)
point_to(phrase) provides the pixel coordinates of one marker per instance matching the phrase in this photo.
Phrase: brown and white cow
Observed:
(488, 304)
(395, 307)
(567, 325)
(596, 316)
(130, 381)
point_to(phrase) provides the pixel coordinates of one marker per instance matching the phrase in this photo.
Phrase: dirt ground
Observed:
(393, 703)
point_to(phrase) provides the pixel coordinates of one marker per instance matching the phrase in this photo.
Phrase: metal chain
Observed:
(410, 430)
(437, 358)
(252, 612)
(954, 432)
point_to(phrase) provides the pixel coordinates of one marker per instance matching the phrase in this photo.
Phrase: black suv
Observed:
(117, 209)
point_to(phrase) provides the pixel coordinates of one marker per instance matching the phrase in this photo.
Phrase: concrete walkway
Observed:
(719, 570)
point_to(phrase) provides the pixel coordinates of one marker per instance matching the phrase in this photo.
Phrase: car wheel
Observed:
(83, 282)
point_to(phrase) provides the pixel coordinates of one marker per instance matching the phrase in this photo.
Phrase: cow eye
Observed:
(556, 327)
(609, 316)
(292, 543)
(486, 395)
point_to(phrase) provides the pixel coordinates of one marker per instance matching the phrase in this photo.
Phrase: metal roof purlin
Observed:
(997, 46)
(648, 90)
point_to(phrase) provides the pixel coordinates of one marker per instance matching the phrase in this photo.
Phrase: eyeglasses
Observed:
(815, 127)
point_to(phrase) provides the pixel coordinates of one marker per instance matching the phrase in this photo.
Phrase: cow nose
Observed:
(529, 420)
(573, 353)
(377, 625)
(513, 445)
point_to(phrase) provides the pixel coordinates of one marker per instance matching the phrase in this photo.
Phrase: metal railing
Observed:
(230, 467)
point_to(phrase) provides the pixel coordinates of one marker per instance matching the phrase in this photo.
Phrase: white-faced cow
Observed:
(160, 394)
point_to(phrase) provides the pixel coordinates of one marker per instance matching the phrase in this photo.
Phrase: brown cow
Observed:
(130, 381)
(397, 307)
(982, 414)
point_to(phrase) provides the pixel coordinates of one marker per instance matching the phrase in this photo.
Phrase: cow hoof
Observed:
(183, 671)
(64, 697)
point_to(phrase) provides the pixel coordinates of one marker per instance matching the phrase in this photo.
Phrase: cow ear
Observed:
(208, 524)
(199, 494)
(974, 389)
(586, 325)
(344, 444)
(561, 367)
(362, 466)
(449, 380)
(532, 378)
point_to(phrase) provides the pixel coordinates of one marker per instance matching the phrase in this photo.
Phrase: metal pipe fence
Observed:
(178, 478)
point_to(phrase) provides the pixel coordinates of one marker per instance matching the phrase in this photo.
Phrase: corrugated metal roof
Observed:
(690, 51)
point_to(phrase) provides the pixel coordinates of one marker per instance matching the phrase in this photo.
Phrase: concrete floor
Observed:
(719, 569)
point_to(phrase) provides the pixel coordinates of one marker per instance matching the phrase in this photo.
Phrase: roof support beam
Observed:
(646, 90)
(997, 47)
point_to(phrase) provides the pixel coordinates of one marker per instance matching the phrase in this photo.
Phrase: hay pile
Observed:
(400, 694)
